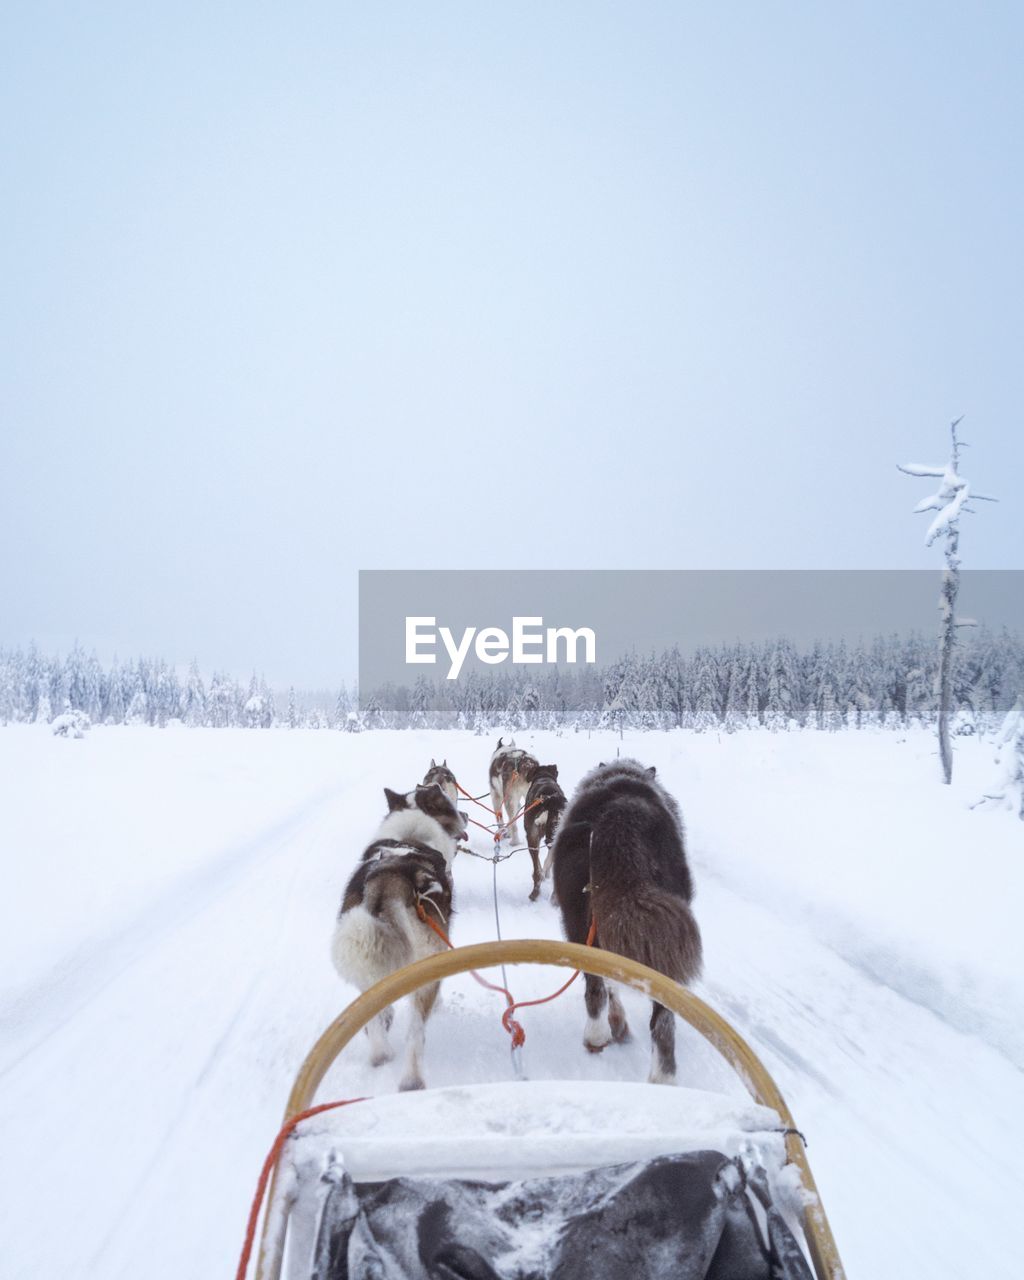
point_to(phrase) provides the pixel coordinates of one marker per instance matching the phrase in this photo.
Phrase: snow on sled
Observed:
(571, 1180)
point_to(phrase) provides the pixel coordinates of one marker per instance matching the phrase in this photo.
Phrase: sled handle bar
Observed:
(603, 964)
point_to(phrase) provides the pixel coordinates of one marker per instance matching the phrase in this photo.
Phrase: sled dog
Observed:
(510, 775)
(619, 858)
(443, 777)
(407, 865)
(545, 802)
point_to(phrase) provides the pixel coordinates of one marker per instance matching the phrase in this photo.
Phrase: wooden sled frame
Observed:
(568, 955)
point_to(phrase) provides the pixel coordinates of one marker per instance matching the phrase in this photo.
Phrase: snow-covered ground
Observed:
(164, 928)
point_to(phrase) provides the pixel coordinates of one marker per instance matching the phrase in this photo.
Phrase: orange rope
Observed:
(526, 1004)
(497, 812)
(525, 809)
(268, 1165)
(513, 1027)
(462, 791)
(484, 827)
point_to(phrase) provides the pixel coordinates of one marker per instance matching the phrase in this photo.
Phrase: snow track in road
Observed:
(29, 1016)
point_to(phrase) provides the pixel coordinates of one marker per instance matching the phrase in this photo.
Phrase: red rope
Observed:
(462, 791)
(268, 1166)
(525, 809)
(526, 1004)
(484, 827)
(513, 1027)
(496, 813)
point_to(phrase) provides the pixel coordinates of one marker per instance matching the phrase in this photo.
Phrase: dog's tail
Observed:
(377, 936)
(547, 808)
(635, 916)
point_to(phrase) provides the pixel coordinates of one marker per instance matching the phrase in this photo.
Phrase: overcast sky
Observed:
(293, 290)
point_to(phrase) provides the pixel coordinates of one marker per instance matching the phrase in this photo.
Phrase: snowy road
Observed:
(145, 1063)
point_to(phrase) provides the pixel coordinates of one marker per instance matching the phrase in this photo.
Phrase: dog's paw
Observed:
(621, 1033)
(658, 1076)
(381, 1057)
(410, 1083)
(596, 1036)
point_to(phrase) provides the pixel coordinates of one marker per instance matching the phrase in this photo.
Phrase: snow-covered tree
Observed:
(862, 694)
(782, 702)
(733, 717)
(419, 703)
(258, 708)
(165, 694)
(44, 713)
(193, 698)
(138, 709)
(1009, 788)
(373, 714)
(9, 684)
(949, 501)
(71, 724)
(531, 705)
(222, 702)
(342, 706)
(707, 710)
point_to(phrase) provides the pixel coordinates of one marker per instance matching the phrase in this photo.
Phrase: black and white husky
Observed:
(510, 775)
(545, 803)
(619, 858)
(379, 930)
(443, 777)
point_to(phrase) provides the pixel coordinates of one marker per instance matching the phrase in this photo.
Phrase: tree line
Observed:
(889, 682)
(37, 687)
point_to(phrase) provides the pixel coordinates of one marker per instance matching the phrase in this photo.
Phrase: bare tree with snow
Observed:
(950, 500)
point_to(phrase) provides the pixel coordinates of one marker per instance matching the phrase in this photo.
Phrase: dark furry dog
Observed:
(408, 864)
(510, 775)
(545, 803)
(443, 777)
(619, 857)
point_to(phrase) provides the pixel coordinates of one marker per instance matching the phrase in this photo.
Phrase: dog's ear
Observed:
(433, 763)
(395, 800)
(431, 799)
(554, 770)
(652, 771)
(444, 763)
(500, 741)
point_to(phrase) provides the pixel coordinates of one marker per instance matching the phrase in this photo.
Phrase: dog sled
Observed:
(567, 1179)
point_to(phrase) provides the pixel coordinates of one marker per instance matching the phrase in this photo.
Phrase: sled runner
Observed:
(568, 1179)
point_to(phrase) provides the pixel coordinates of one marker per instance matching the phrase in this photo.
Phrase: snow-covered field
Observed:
(164, 927)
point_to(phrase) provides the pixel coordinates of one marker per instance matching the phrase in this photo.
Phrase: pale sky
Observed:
(293, 290)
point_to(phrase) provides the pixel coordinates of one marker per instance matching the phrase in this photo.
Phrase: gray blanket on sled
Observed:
(686, 1217)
